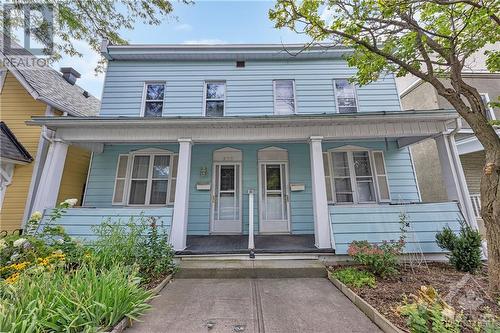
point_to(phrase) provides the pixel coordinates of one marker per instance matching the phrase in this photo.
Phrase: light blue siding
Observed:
(402, 182)
(100, 185)
(249, 89)
(378, 223)
(78, 222)
(299, 172)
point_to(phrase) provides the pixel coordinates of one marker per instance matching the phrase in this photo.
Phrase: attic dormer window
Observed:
(154, 94)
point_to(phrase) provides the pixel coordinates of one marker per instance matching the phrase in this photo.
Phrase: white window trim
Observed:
(205, 83)
(128, 179)
(295, 107)
(335, 94)
(488, 107)
(352, 175)
(144, 94)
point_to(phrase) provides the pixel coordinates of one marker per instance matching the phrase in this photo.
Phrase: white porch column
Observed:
(453, 176)
(50, 180)
(180, 218)
(320, 203)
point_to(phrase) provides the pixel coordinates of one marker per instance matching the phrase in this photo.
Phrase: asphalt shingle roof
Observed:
(48, 83)
(10, 147)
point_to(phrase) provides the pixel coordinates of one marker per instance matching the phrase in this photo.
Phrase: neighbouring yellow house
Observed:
(28, 91)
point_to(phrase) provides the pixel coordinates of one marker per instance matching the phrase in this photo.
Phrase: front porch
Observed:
(295, 184)
(238, 244)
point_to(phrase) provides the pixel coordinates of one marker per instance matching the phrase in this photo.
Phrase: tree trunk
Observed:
(490, 212)
(490, 179)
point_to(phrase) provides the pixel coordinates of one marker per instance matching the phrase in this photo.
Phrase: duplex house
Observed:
(29, 87)
(249, 147)
(420, 95)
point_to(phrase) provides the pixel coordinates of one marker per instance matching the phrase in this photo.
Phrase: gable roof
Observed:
(11, 148)
(46, 84)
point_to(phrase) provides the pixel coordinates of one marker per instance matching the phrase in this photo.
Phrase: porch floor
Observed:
(237, 244)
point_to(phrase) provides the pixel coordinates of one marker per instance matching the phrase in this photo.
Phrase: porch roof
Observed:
(405, 126)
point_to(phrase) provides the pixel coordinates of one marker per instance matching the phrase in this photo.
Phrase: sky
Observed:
(205, 22)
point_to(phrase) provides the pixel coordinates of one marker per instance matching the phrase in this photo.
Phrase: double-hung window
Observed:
(355, 176)
(345, 96)
(154, 95)
(145, 179)
(215, 99)
(284, 97)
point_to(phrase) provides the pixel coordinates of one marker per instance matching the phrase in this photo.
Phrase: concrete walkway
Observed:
(252, 306)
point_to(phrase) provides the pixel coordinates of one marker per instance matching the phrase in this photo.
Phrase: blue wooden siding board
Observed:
(381, 223)
(249, 89)
(99, 190)
(402, 182)
(78, 222)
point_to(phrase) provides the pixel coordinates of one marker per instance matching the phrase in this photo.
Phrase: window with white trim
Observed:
(215, 99)
(355, 176)
(490, 113)
(284, 96)
(148, 180)
(345, 96)
(154, 95)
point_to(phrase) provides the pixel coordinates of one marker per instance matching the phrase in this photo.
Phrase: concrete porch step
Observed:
(242, 269)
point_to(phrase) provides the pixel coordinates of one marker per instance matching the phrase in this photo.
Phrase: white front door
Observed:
(273, 195)
(226, 199)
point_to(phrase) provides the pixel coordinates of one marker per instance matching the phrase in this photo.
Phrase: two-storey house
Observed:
(247, 146)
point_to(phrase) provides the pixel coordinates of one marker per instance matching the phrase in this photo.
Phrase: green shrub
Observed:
(355, 278)
(381, 260)
(143, 243)
(84, 300)
(427, 313)
(465, 248)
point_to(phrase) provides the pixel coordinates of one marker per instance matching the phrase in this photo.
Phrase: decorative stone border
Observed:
(127, 322)
(383, 323)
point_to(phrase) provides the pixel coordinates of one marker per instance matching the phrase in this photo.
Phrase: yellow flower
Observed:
(13, 278)
(21, 266)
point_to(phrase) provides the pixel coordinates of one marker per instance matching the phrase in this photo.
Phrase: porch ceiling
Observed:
(406, 126)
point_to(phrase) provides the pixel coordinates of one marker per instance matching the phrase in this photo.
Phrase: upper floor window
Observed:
(490, 113)
(215, 99)
(355, 176)
(154, 94)
(345, 96)
(145, 179)
(284, 96)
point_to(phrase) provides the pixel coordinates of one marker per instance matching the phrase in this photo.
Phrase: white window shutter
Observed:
(120, 180)
(381, 174)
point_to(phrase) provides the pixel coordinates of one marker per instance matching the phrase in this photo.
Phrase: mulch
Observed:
(466, 293)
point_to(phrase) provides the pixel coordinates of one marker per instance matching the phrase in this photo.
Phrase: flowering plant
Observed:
(381, 260)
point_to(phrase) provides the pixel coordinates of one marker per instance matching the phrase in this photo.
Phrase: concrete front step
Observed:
(242, 269)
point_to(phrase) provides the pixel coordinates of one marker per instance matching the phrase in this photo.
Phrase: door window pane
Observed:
(227, 178)
(273, 176)
(345, 95)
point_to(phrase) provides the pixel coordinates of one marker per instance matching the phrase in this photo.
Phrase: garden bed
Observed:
(464, 292)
